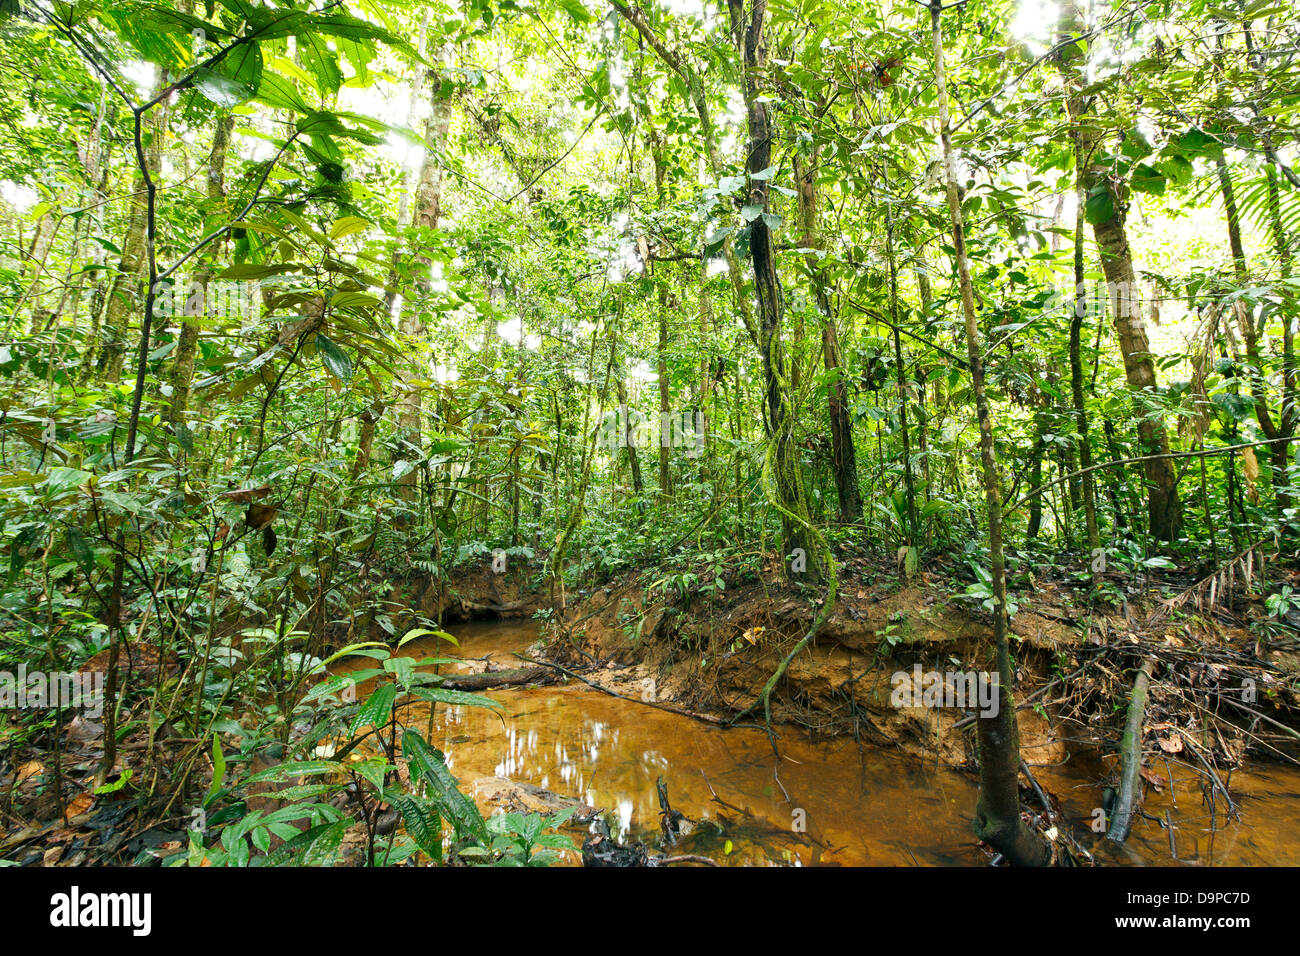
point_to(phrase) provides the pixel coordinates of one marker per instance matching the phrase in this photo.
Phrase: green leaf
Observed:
(373, 770)
(422, 823)
(376, 710)
(1100, 206)
(463, 698)
(417, 632)
(576, 10)
(353, 300)
(123, 779)
(352, 649)
(286, 771)
(278, 93)
(428, 764)
(1147, 179)
(81, 550)
(242, 69)
(1197, 143)
(403, 668)
(347, 226)
(319, 846)
(713, 245)
(223, 90)
(218, 770)
(321, 63)
(335, 359)
(1177, 169)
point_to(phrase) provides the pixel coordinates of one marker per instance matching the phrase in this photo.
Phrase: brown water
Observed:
(828, 803)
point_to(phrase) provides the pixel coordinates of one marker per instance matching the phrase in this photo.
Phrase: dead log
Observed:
(1130, 749)
(670, 820)
(476, 607)
(492, 679)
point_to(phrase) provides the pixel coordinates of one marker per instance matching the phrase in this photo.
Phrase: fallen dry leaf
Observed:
(80, 804)
(83, 731)
(1152, 779)
(1171, 745)
(245, 495)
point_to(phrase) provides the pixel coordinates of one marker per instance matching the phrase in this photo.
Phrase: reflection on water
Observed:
(831, 802)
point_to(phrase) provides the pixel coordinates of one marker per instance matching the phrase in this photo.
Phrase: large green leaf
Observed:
(233, 79)
(428, 764)
(463, 698)
(319, 846)
(335, 359)
(286, 771)
(422, 823)
(576, 10)
(277, 92)
(321, 63)
(377, 708)
(1100, 206)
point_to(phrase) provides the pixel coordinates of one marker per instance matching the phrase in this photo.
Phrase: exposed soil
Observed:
(711, 654)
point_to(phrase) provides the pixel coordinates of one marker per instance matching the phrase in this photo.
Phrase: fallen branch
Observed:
(689, 858)
(489, 680)
(1121, 821)
(707, 718)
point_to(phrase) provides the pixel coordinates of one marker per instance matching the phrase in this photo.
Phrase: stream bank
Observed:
(705, 653)
(829, 801)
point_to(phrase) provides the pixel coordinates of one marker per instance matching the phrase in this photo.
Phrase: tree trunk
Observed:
(997, 815)
(803, 560)
(1094, 178)
(122, 294)
(1278, 451)
(843, 453)
(182, 371)
(1076, 388)
(426, 214)
(638, 485)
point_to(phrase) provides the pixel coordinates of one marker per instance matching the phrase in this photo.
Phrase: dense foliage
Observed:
(304, 299)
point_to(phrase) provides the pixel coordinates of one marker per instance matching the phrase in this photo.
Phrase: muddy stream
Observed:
(857, 804)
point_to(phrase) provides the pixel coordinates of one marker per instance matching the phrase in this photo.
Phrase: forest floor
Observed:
(1223, 685)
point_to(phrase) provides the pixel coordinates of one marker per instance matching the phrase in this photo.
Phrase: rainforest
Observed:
(651, 434)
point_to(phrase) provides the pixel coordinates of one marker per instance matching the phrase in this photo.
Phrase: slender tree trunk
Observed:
(182, 371)
(426, 214)
(634, 462)
(1036, 479)
(804, 561)
(1095, 180)
(843, 454)
(1279, 450)
(122, 295)
(900, 368)
(661, 352)
(1076, 387)
(997, 816)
